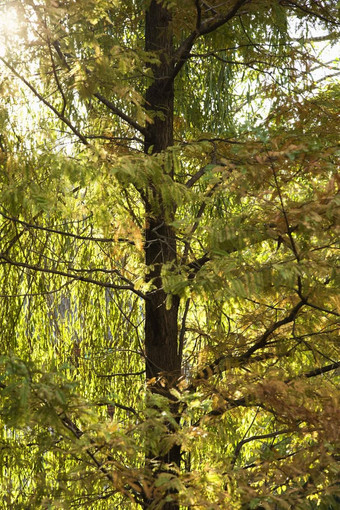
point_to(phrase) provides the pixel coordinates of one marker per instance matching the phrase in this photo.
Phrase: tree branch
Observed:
(40, 269)
(183, 52)
(119, 406)
(182, 332)
(195, 177)
(321, 309)
(56, 77)
(101, 98)
(120, 114)
(120, 374)
(199, 14)
(209, 27)
(321, 370)
(222, 363)
(59, 232)
(263, 340)
(256, 438)
(306, 10)
(45, 102)
(245, 401)
(197, 264)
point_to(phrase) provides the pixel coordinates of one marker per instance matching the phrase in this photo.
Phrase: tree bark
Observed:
(161, 321)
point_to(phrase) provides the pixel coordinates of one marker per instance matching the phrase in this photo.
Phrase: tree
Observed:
(169, 207)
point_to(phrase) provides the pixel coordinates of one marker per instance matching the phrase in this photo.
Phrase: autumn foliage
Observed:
(169, 225)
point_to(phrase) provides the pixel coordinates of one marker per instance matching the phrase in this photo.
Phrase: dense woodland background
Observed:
(169, 206)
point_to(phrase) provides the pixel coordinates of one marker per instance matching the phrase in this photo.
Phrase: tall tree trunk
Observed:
(161, 322)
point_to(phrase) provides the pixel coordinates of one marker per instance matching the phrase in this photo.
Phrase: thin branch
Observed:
(120, 374)
(195, 177)
(326, 77)
(182, 332)
(56, 77)
(47, 103)
(40, 269)
(103, 99)
(222, 363)
(219, 139)
(197, 221)
(197, 264)
(199, 14)
(321, 309)
(208, 27)
(120, 114)
(31, 294)
(246, 401)
(127, 408)
(256, 438)
(183, 52)
(59, 232)
(237, 449)
(227, 61)
(115, 138)
(120, 406)
(306, 10)
(320, 38)
(288, 227)
(72, 427)
(321, 370)
(78, 270)
(263, 340)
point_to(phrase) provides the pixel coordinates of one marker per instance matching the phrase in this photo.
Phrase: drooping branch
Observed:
(59, 232)
(72, 276)
(296, 6)
(60, 115)
(102, 98)
(33, 294)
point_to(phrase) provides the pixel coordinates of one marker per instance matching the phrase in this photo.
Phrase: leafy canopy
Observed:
(248, 187)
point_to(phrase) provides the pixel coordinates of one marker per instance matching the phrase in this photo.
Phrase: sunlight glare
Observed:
(9, 26)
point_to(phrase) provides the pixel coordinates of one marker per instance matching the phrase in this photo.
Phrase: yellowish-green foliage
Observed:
(250, 190)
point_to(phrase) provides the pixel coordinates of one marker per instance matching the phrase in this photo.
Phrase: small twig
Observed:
(120, 374)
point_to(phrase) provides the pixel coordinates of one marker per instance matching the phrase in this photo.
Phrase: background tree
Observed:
(169, 214)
